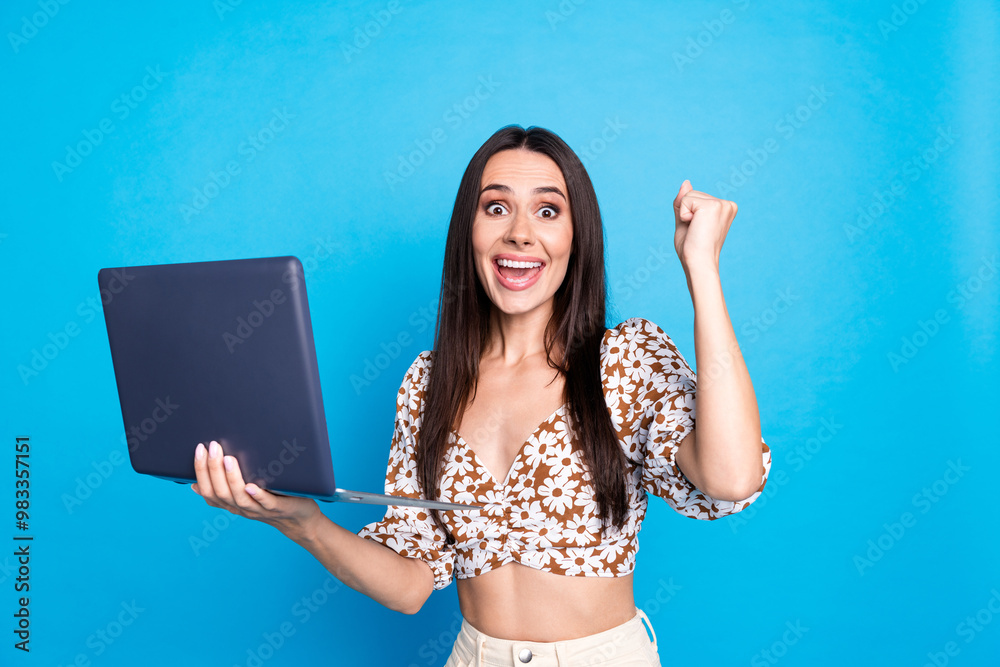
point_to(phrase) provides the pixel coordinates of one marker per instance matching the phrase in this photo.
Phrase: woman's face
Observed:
(522, 234)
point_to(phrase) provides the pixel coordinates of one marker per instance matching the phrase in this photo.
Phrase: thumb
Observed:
(685, 188)
(682, 209)
(266, 499)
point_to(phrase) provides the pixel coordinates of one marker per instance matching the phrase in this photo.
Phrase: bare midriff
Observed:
(521, 603)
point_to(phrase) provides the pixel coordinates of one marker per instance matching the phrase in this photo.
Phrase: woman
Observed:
(567, 425)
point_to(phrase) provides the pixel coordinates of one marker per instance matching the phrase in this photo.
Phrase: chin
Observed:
(514, 308)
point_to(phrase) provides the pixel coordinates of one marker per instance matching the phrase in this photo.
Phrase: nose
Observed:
(520, 232)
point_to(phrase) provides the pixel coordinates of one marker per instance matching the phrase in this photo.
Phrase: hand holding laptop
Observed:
(220, 483)
(224, 350)
(222, 354)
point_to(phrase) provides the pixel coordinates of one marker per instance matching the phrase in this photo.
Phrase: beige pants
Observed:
(626, 645)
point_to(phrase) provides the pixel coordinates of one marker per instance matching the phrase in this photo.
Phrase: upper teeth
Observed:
(509, 263)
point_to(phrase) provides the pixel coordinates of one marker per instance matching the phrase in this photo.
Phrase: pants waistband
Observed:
(593, 649)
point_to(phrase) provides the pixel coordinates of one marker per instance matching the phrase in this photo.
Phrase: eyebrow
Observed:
(539, 190)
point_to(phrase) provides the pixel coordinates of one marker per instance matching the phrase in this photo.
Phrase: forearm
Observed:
(371, 568)
(726, 453)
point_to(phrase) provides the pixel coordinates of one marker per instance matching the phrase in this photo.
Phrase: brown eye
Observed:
(548, 212)
(495, 208)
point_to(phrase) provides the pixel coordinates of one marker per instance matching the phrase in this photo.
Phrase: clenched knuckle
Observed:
(244, 505)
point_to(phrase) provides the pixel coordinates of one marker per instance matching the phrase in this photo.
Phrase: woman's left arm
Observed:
(722, 456)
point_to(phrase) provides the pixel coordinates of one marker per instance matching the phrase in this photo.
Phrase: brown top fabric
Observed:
(543, 514)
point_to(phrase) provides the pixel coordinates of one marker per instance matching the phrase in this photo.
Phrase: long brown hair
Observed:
(577, 324)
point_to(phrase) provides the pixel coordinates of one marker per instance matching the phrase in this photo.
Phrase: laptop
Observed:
(224, 351)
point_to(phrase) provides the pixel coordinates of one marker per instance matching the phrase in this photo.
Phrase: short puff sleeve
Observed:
(664, 388)
(411, 531)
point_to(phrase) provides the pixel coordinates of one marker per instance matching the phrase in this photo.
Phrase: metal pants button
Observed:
(524, 655)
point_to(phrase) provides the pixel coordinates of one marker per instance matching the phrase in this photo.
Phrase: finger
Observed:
(201, 474)
(685, 208)
(722, 207)
(685, 188)
(220, 486)
(693, 203)
(237, 487)
(698, 194)
(688, 200)
(264, 498)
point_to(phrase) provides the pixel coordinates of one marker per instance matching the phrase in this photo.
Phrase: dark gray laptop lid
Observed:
(219, 350)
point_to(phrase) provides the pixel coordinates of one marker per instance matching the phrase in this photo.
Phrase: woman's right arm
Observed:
(400, 583)
(397, 582)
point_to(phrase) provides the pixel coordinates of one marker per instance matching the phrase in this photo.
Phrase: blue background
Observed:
(859, 140)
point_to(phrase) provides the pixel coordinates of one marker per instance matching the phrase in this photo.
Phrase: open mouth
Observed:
(517, 275)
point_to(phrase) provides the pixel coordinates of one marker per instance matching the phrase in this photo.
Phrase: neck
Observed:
(516, 337)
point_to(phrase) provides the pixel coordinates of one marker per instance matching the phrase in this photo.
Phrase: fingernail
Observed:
(214, 450)
(251, 490)
(228, 462)
(199, 452)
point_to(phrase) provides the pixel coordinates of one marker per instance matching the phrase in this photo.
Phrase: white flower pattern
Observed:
(544, 514)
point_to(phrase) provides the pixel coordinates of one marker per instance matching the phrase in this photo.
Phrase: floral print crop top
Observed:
(543, 515)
